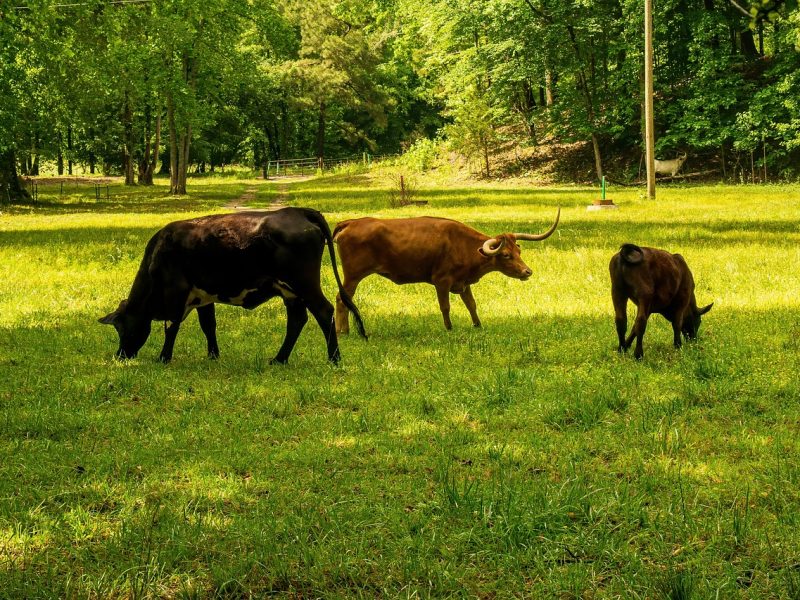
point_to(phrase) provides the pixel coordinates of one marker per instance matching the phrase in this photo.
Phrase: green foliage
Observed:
(251, 82)
(422, 155)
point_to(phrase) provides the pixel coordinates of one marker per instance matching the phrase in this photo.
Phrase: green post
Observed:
(603, 188)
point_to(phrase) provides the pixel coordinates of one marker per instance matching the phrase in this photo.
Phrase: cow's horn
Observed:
(530, 237)
(489, 248)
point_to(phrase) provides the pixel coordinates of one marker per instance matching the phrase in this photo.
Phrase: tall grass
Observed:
(523, 459)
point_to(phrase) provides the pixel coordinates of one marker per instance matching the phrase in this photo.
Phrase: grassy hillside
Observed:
(523, 459)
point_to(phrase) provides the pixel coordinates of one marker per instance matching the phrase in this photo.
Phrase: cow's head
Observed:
(505, 255)
(691, 324)
(505, 251)
(133, 329)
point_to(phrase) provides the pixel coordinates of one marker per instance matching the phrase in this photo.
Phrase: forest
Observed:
(145, 87)
(530, 452)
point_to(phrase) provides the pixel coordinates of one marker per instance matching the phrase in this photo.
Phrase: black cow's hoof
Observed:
(164, 359)
(278, 361)
(213, 355)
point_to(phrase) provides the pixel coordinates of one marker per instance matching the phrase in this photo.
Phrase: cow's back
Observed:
(403, 250)
(656, 274)
(237, 250)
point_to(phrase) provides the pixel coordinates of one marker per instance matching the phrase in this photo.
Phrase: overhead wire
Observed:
(74, 4)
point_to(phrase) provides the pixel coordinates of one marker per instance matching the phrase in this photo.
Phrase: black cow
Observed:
(242, 259)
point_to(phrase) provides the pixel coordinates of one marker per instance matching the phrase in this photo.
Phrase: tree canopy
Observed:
(135, 88)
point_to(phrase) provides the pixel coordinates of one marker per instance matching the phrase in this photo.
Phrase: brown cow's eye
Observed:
(506, 256)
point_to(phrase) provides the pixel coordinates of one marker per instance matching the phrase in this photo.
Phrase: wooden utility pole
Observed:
(649, 135)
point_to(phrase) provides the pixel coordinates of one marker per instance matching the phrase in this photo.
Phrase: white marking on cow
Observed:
(284, 289)
(206, 298)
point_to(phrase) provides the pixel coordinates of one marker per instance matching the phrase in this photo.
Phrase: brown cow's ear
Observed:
(705, 309)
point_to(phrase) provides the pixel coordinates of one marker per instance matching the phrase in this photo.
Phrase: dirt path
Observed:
(239, 203)
(280, 200)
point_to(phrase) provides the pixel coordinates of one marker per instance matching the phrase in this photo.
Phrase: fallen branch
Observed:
(667, 178)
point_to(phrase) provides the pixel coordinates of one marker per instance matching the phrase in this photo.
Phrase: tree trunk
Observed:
(173, 146)
(177, 153)
(321, 133)
(485, 145)
(148, 164)
(11, 188)
(549, 87)
(583, 86)
(60, 154)
(598, 157)
(180, 140)
(748, 44)
(128, 142)
(283, 143)
(144, 161)
(69, 149)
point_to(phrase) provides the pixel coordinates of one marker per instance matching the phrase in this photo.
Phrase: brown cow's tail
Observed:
(317, 218)
(340, 226)
(631, 254)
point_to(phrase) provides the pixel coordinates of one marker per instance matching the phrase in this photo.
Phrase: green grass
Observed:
(524, 459)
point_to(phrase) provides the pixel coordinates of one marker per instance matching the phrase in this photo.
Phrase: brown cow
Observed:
(658, 282)
(445, 253)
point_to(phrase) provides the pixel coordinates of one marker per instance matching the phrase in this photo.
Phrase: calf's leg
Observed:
(208, 323)
(638, 329)
(620, 318)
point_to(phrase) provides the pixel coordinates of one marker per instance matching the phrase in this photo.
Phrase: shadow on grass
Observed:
(572, 233)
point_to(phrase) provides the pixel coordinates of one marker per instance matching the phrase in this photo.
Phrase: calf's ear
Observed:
(705, 309)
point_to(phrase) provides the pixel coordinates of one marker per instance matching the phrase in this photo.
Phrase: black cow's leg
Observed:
(175, 295)
(170, 333)
(469, 302)
(296, 319)
(443, 294)
(322, 310)
(208, 323)
(620, 318)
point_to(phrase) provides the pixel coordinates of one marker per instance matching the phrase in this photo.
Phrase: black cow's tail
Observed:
(631, 254)
(317, 218)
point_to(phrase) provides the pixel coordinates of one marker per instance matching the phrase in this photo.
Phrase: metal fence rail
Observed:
(307, 166)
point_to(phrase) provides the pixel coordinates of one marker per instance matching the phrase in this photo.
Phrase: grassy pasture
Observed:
(523, 459)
